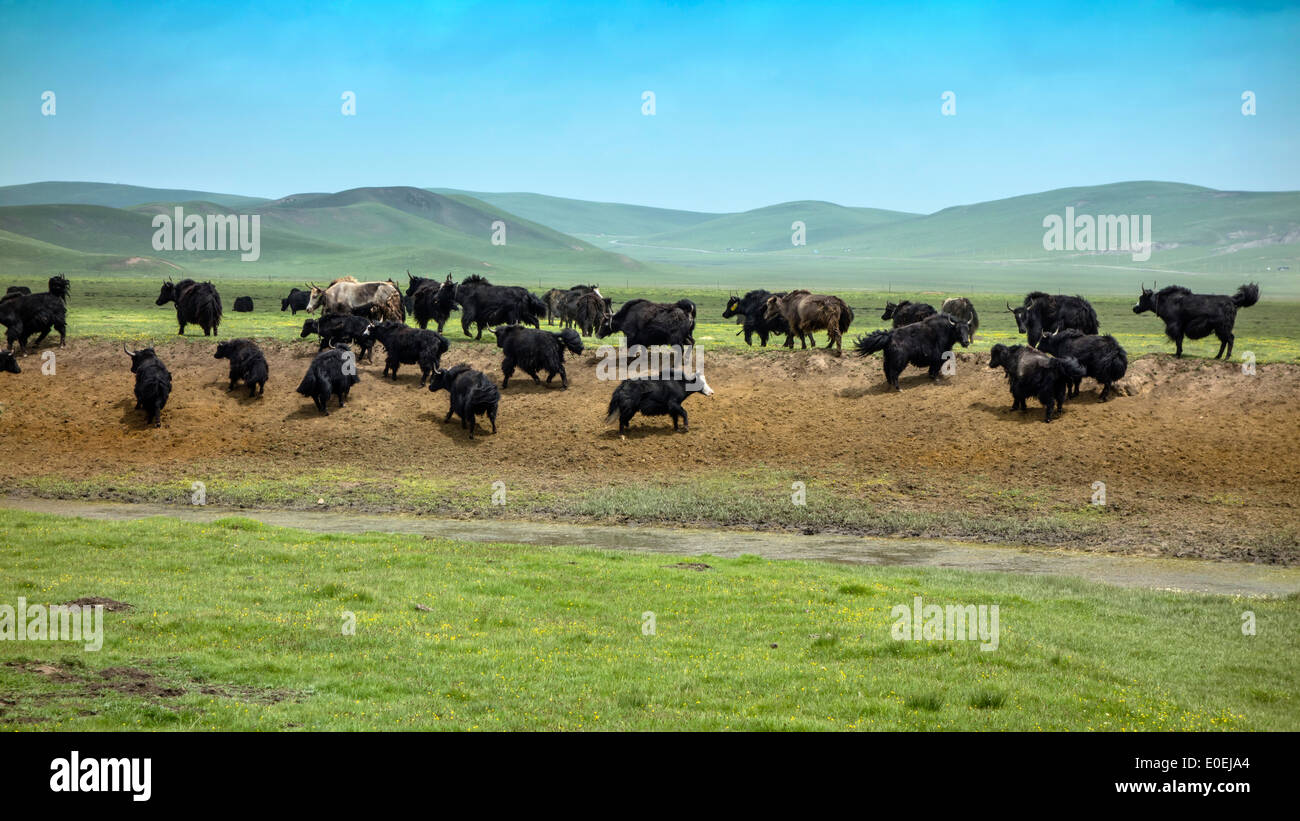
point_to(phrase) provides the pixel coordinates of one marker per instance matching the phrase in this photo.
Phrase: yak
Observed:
(331, 373)
(647, 323)
(8, 364)
(1031, 372)
(751, 313)
(535, 350)
(197, 303)
(342, 328)
(345, 295)
(431, 300)
(1196, 316)
(580, 298)
(806, 312)
(243, 304)
(247, 362)
(472, 394)
(410, 346)
(655, 396)
(296, 301)
(153, 384)
(962, 308)
(905, 312)
(27, 314)
(591, 313)
(922, 344)
(1101, 356)
(1047, 312)
(484, 304)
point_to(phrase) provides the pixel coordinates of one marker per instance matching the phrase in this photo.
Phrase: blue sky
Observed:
(757, 103)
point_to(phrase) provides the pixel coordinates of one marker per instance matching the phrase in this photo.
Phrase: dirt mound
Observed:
(108, 604)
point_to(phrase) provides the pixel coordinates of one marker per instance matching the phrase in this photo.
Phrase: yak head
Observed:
(772, 308)
(961, 327)
(892, 308)
(8, 364)
(138, 358)
(1146, 300)
(1022, 317)
(733, 307)
(317, 295)
(167, 294)
(225, 350)
(999, 355)
(308, 328)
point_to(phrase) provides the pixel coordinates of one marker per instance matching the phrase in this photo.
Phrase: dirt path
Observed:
(1198, 462)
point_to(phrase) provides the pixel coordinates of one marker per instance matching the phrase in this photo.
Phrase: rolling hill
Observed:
(112, 195)
(582, 217)
(770, 228)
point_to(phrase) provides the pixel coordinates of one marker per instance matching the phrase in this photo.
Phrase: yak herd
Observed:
(1063, 335)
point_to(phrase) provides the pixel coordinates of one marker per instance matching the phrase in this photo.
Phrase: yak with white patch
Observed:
(472, 395)
(533, 350)
(921, 343)
(247, 363)
(1030, 372)
(656, 395)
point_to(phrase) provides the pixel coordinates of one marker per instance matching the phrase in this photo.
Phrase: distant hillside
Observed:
(111, 195)
(769, 229)
(589, 218)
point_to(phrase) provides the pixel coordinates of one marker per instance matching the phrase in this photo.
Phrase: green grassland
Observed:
(240, 626)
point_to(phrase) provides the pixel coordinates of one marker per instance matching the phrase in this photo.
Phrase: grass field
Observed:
(240, 626)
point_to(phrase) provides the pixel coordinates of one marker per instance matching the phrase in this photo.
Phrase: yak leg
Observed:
(1225, 341)
(534, 375)
(181, 332)
(507, 371)
(1178, 344)
(492, 417)
(676, 410)
(450, 411)
(63, 332)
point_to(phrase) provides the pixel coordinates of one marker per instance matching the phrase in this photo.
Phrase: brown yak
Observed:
(806, 312)
(345, 295)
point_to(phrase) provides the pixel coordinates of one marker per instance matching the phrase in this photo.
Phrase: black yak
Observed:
(655, 395)
(153, 384)
(1101, 356)
(751, 310)
(246, 362)
(484, 304)
(535, 350)
(1031, 372)
(806, 312)
(580, 299)
(16, 290)
(1196, 316)
(243, 304)
(1047, 312)
(197, 303)
(27, 314)
(472, 394)
(962, 308)
(922, 344)
(591, 313)
(905, 312)
(431, 300)
(334, 329)
(410, 346)
(296, 301)
(331, 373)
(8, 364)
(647, 323)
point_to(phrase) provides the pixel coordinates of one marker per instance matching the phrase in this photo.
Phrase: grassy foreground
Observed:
(237, 625)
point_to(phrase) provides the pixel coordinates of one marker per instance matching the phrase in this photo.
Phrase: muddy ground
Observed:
(1197, 458)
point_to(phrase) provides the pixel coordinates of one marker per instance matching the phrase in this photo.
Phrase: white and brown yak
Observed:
(379, 300)
(805, 312)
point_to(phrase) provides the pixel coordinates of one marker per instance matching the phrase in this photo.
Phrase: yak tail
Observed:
(1070, 368)
(867, 345)
(1093, 324)
(1246, 296)
(846, 317)
(612, 415)
(1114, 366)
(571, 340)
(485, 393)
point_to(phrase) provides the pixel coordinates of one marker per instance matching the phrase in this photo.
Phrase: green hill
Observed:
(583, 217)
(769, 229)
(112, 195)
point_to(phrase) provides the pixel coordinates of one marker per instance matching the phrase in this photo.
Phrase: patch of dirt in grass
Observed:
(108, 604)
(697, 566)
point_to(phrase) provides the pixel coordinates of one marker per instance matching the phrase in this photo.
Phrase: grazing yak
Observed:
(1101, 356)
(962, 308)
(1048, 312)
(197, 303)
(346, 295)
(431, 300)
(922, 344)
(656, 395)
(472, 395)
(296, 301)
(647, 323)
(153, 384)
(484, 304)
(331, 373)
(751, 310)
(535, 350)
(591, 313)
(246, 362)
(1031, 372)
(243, 304)
(8, 364)
(1196, 316)
(806, 312)
(27, 314)
(905, 312)
(334, 329)
(410, 346)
